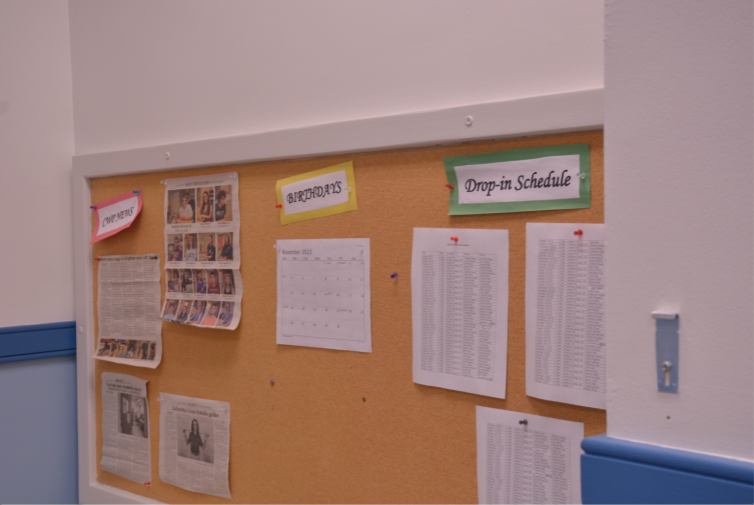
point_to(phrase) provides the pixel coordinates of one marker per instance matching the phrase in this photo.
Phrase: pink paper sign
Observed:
(116, 214)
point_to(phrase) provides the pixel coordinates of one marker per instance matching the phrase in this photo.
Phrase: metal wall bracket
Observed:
(666, 340)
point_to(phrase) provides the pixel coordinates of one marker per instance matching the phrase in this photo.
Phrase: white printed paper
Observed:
(565, 313)
(195, 444)
(116, 214)
(523, 458)
(460, 309)
(202, 243)
(549, 178)
(324, 294)
(125, 428)
(128, 310)
(315, 193)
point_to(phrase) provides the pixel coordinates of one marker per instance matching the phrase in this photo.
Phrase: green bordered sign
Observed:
(520, 180)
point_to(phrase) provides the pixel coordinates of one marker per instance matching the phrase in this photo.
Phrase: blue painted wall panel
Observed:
(38, 441)
(621, 471)
(687, 461)
(609, 480)
(18, 343)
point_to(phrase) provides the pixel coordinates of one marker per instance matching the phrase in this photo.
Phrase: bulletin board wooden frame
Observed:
(568, 112)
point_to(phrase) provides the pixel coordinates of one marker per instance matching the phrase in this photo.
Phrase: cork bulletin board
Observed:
(338, 426)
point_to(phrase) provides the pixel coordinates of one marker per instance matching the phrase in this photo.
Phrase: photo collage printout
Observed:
(203, 251)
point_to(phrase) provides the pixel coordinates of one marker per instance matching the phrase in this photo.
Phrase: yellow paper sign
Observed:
(320, 193)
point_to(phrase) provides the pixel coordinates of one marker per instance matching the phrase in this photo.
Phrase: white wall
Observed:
(38, 460)
(678, 196)
(149, 73)
(36, 145)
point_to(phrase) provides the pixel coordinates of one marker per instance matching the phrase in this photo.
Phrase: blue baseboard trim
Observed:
(619, 471)
(36, 341)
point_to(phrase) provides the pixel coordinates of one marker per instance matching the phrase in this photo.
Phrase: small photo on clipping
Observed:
(133, 420)
(226, 314)
(206, 213)
(213, 283)
(207, 247)
(175, 247)
(183, 312)
(212, 312)
(200, 282)
(189, 247)
(181, 206)
(197, 312)
(171, 310)
(195, 438)
(229, 287)
(223, 204)
(225, 246)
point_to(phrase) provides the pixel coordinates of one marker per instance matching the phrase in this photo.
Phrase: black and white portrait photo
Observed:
(195, 437)
(133, 417)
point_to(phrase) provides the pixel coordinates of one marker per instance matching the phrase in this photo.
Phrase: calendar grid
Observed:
(323, 298)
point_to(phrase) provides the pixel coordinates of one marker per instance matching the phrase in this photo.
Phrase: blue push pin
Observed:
(93, 208)
(136, 192)
(395, 274)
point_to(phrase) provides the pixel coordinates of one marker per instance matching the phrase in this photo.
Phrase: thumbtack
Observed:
(395, 274)
(93, 207)
(454, 239)
(136, 192)
(524, 422)
(272, 383)
(96, 259)
(279, 206)
(450, 187)
(578, 232)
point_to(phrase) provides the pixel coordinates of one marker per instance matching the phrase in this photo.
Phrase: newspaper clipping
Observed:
(202, 244)
(125, 428)
(195, 444)
(128, 310)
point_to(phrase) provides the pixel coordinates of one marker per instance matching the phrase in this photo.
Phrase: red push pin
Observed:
(450, 187)
(454, 239)
(279, 206)
(578, 233)
(96, 259)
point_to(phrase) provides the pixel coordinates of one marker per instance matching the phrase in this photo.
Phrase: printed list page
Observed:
(459, 285)
(523, 458)
(565, 313)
